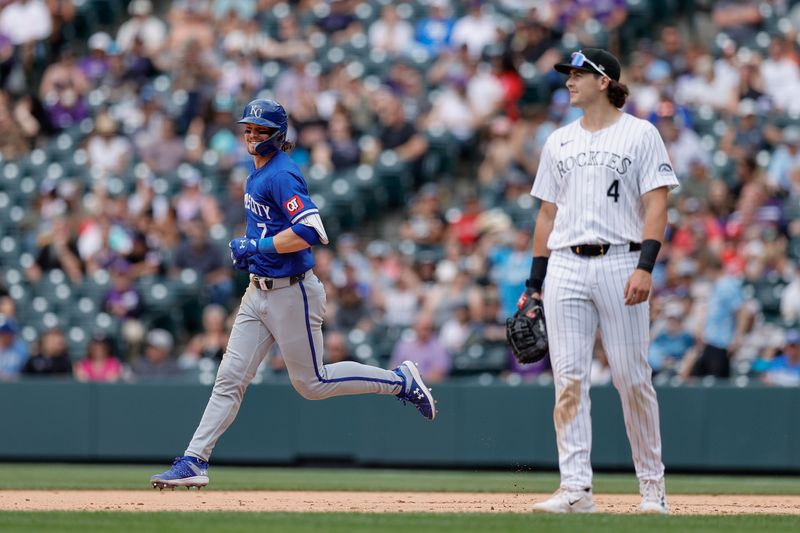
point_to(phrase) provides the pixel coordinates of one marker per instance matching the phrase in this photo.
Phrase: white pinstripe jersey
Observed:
(597, 180)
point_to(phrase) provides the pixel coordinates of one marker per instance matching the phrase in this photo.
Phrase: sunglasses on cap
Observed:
(577, 59)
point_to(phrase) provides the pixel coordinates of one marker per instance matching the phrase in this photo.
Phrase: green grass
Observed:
(385, 523)
(72, 476)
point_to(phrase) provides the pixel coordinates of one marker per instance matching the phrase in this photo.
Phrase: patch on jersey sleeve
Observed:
(665, 168)
(294, 204)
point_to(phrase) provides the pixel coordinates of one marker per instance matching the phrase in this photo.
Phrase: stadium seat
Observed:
(440, 159)
(395, 177)
(480, 357)
(363, 180)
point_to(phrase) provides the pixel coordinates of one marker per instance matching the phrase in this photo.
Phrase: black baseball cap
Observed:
(594, 60)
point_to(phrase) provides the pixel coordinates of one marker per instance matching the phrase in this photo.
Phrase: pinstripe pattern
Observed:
(578, 168)
(596, 180)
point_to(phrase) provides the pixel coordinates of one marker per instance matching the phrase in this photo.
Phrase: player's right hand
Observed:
(242, 248)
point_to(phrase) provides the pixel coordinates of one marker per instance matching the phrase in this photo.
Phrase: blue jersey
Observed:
(275, 198)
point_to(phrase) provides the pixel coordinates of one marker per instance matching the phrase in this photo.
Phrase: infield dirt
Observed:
(367, 502)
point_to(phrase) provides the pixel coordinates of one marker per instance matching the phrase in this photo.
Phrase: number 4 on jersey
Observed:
(613, 191)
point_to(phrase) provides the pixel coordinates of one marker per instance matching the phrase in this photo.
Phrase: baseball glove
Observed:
(527, 333)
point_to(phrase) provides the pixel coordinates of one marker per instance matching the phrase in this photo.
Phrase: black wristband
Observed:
(538, 272)
(647, 259)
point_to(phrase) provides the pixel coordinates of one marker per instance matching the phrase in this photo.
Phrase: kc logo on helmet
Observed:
(294, 204)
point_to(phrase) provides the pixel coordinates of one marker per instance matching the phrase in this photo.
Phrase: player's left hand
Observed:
(637, 290)
(242, 248)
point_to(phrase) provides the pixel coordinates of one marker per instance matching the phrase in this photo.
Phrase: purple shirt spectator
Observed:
(424, 349)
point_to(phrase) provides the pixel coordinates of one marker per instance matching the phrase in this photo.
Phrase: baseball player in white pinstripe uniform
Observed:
(603, 182)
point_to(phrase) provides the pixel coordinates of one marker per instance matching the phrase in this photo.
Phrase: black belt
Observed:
(593, 250)
(268, 284)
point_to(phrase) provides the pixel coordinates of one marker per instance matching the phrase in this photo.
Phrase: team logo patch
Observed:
(294, 204)
(664, 168)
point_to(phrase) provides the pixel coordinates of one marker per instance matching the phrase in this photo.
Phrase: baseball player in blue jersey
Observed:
(284, 303)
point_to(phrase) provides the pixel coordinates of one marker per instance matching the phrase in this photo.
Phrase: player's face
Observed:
(254, 134)
(583, 87)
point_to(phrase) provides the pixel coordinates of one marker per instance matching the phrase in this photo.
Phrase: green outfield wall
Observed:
(720, 428)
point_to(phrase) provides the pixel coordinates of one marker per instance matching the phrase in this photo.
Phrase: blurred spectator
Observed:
(13, 143)
(463, 225)
(338, 19)
(7, 60)
(295, 84)
(157, 362)
(165, 151)
(390, 33)
(400, 303)
(101, 241)
(534, 42)
(339, 151)
(785, 159)
(52, 357)
(434, 32)
(100, 364)
(453, 112)
(683, 144)
(211, 263)
(511, 267)
(454, 287)
(191, 28)
(456, 329)
(290, 43)
(724, 324)
(145, 258)
(108, 151)
(476, 29)
(211, 342)
(423, 347)
(13, 350)
(425, 224)
(241, 9)
(238, 75)
(63, 90)
(233, 212)
(352, 311)
(192, 204)
(747, 137)
(700, 86)
(336, 349)
(95, 66)
(144, 26)
(25, 21)
(401, 136)
(784, 369)
(57, 250)
(485, 90)
(781, 74)
(790, 301)
(739, 19)
(511, 83)
(247, 38)
(124, 302)
(669, 347)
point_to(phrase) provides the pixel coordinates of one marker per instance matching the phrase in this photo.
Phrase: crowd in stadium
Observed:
(418, 125)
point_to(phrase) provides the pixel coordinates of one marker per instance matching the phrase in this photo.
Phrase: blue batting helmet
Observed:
(269, 114)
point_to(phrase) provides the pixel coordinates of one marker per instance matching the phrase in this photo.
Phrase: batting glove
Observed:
(242, 265)
(242, 248)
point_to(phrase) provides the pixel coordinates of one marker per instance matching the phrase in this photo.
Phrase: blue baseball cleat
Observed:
(415, 391)
(186, 471)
